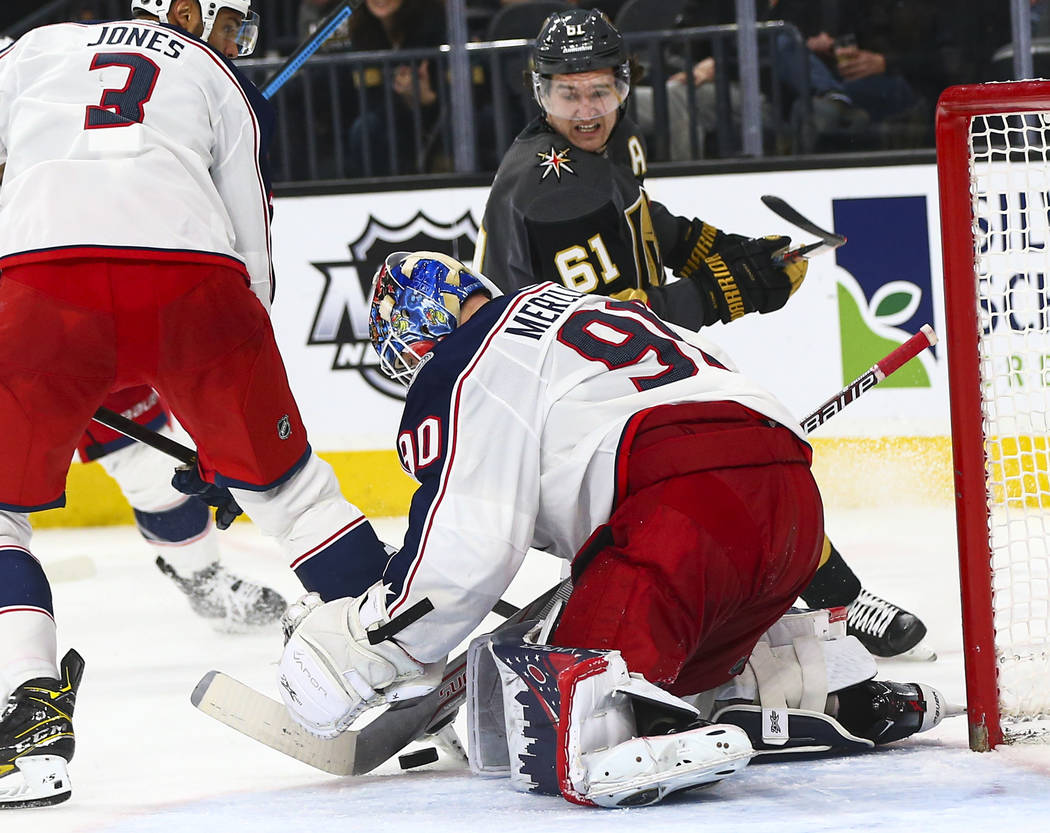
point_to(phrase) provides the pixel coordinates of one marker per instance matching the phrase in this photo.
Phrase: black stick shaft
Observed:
(144, 435)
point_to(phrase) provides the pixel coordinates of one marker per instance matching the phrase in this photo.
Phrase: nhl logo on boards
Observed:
(284, 427)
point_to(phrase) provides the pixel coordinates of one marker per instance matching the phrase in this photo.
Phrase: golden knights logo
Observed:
(342, 314)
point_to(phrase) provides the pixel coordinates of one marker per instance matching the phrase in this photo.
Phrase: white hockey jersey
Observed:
(512, 428)
(129, 135)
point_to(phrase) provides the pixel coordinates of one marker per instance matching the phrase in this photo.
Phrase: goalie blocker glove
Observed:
(736, 275)
(340, 660)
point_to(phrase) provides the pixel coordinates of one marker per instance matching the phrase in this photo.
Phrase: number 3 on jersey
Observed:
(126, 105)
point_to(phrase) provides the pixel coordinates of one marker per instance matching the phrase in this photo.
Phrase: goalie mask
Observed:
(416, 298)
(573, 42)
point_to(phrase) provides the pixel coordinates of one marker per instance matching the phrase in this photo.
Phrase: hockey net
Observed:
(993, 159)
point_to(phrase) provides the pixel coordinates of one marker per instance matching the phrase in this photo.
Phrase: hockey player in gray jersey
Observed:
(680, 492)
(568, 204)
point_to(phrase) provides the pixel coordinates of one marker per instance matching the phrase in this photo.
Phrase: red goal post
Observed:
(993, 165)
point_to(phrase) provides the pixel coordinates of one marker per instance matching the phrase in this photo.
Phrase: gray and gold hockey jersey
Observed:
(583, 219)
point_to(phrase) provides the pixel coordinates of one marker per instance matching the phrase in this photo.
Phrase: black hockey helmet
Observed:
(578, 40)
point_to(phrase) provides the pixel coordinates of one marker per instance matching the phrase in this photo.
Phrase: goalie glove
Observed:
(746, 276)
(331, 673)
(188, 480)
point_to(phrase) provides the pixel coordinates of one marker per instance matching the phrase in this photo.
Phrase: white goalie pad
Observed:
(486, 734)
(603, 761)
(823, 623)
(570, 726)
(796, 665)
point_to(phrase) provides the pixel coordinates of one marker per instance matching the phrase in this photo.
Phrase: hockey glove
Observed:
(188, 480)
(748, 276)
(697, 241)
(332, 672)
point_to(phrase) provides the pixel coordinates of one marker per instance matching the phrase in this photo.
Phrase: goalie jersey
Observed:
(584, 220)
(513, 428)
(143, 110)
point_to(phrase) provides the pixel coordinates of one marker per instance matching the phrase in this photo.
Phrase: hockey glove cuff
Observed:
(748, 276)
(188, 480)
(696, 241)
(331, 673)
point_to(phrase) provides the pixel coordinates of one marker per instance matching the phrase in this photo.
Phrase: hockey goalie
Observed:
(681, 493)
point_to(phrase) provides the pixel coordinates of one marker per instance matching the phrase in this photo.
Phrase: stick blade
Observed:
(782, 209)
(263, 719)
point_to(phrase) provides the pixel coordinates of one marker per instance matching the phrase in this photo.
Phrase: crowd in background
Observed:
(846, 75)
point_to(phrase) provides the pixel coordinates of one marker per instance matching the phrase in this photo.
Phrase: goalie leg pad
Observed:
(595, 766)
(800, 674)
(790, 734)
(572, 727)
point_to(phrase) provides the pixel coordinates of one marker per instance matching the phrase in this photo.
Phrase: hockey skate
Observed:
(887, 630)
(884, 711)
(229, 603)
(36, 738)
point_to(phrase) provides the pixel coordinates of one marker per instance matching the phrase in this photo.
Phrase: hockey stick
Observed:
(926, 337)
(144, 435)
(324, 31)
(352, 752)
(786, 212)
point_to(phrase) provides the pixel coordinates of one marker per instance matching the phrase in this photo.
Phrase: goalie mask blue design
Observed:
(416, 301)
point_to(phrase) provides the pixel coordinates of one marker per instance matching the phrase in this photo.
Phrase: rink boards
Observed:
(854, 307)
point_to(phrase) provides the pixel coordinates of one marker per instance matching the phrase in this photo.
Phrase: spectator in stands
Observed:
(886, 58)
(698, 69)
(395, 24)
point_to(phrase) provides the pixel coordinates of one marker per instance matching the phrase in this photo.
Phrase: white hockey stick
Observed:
(352, 752)
(74, 568)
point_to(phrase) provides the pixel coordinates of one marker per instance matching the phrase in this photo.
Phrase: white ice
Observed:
(148, 762)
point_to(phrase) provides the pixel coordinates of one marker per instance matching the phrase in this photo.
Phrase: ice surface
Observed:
(148, 762)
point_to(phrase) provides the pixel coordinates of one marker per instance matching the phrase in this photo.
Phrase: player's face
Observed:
(224, 32)
(383, 8)
(583, 106)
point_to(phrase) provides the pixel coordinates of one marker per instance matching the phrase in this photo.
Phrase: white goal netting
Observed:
(1010, 187)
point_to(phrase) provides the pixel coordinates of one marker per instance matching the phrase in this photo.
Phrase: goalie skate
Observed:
(229, 603)
(36, 739)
